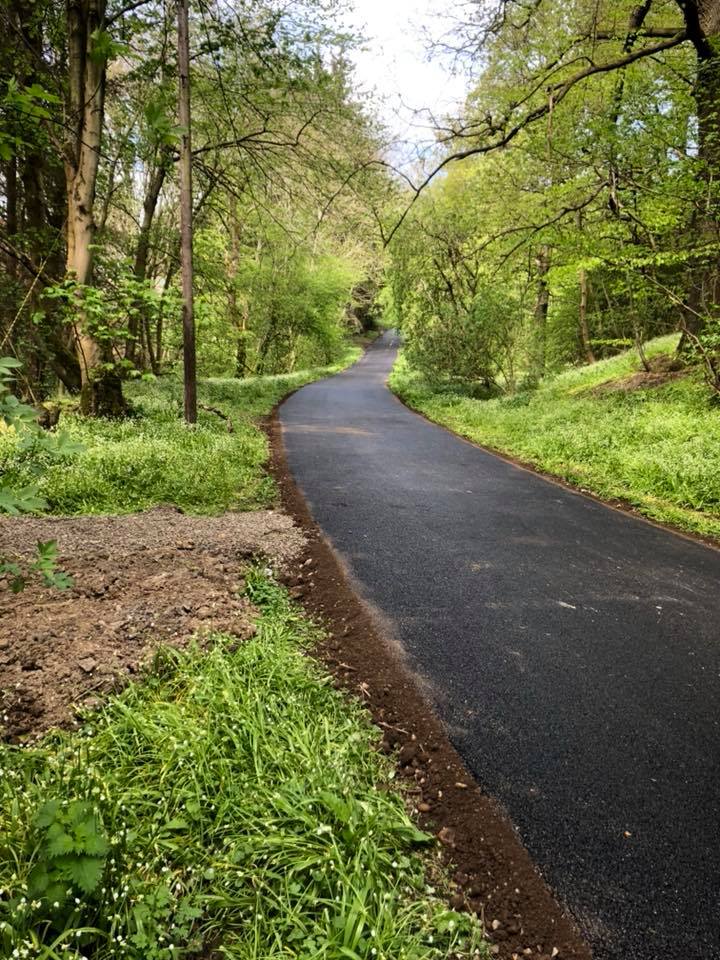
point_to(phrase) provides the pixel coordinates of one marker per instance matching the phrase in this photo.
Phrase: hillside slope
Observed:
(651, 440)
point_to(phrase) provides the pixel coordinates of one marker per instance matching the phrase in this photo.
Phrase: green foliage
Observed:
(232, 800)
(657, 448)
(45, 566)
(21, 104)
(72, 859)
(110, 310)
(24, 447)
(596, 221)
(153, 458)
(288, 304)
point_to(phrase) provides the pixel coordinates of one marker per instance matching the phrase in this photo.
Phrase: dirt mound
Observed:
(139, 581)
(663, 369)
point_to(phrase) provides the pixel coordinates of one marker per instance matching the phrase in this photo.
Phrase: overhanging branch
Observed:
(502, 134)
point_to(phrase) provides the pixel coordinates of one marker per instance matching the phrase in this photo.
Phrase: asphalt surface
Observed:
(572, 651)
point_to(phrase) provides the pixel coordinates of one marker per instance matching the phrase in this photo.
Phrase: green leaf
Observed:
(86, 872)
(21, 500)
(47, 813)
(59, 843)
(38, 880)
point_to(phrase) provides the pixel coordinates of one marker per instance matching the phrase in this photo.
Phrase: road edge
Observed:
(625, 507)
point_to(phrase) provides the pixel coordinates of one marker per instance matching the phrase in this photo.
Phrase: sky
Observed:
(394, 63)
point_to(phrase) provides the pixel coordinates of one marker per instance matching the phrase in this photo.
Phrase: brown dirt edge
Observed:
(492, 872)
(614, 503)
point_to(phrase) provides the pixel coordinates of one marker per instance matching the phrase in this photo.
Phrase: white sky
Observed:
(394, 63)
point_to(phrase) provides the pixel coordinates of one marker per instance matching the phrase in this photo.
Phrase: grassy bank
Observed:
(153, 458)
(233, 800)
(656, 447)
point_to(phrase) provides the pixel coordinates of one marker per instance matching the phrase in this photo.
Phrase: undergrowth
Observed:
(657, 448)
(153, 458)
(230, 802)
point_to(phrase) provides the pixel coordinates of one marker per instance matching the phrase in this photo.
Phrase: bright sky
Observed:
(394, 62)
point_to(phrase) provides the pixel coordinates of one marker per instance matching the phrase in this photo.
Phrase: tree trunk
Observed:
(704, 297)
(11, 197)
(101, 391)
(542, 302)
(237, 313)
(139, 319)
(186, 214)
(702, 21)
(584, 329)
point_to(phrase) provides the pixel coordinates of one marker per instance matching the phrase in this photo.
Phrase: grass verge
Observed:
(153, 458)
(655, 448)
(231, 805)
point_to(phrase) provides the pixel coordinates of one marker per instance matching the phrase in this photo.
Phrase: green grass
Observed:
(153, 458)
(232, 800)
(658, 448)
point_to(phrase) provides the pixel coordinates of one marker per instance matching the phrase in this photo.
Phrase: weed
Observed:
(45, 566)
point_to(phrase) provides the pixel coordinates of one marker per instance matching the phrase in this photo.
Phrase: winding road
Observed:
(571, 650)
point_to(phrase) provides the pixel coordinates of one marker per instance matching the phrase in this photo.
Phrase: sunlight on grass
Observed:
(154, 458)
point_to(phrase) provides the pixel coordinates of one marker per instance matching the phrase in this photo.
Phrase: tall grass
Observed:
(657, 448)
(153, 458)
(232, 800)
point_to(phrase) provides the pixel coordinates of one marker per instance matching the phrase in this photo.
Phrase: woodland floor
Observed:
(140, 581)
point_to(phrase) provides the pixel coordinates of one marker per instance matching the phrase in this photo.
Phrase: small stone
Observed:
(186, 545)
(4, 643)
(408, 754)
(424, 807)
(87, 664)
(204, 612)
(447, 836)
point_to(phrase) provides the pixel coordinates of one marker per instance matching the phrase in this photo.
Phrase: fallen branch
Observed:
(219, 413)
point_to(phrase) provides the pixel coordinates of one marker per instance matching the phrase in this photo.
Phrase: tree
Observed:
(284, 167)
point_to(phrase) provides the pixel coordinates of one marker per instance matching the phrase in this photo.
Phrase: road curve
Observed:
(572, 651)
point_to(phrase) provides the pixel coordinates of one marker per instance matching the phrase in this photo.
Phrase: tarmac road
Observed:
(571, 649)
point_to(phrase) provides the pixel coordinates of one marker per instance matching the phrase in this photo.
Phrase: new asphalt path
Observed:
(571, 649)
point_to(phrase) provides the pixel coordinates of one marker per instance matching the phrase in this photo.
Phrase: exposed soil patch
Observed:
(139, 581)
(493, 873)
(663, 369)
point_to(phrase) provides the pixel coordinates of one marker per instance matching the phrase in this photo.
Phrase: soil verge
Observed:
(493, 872)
